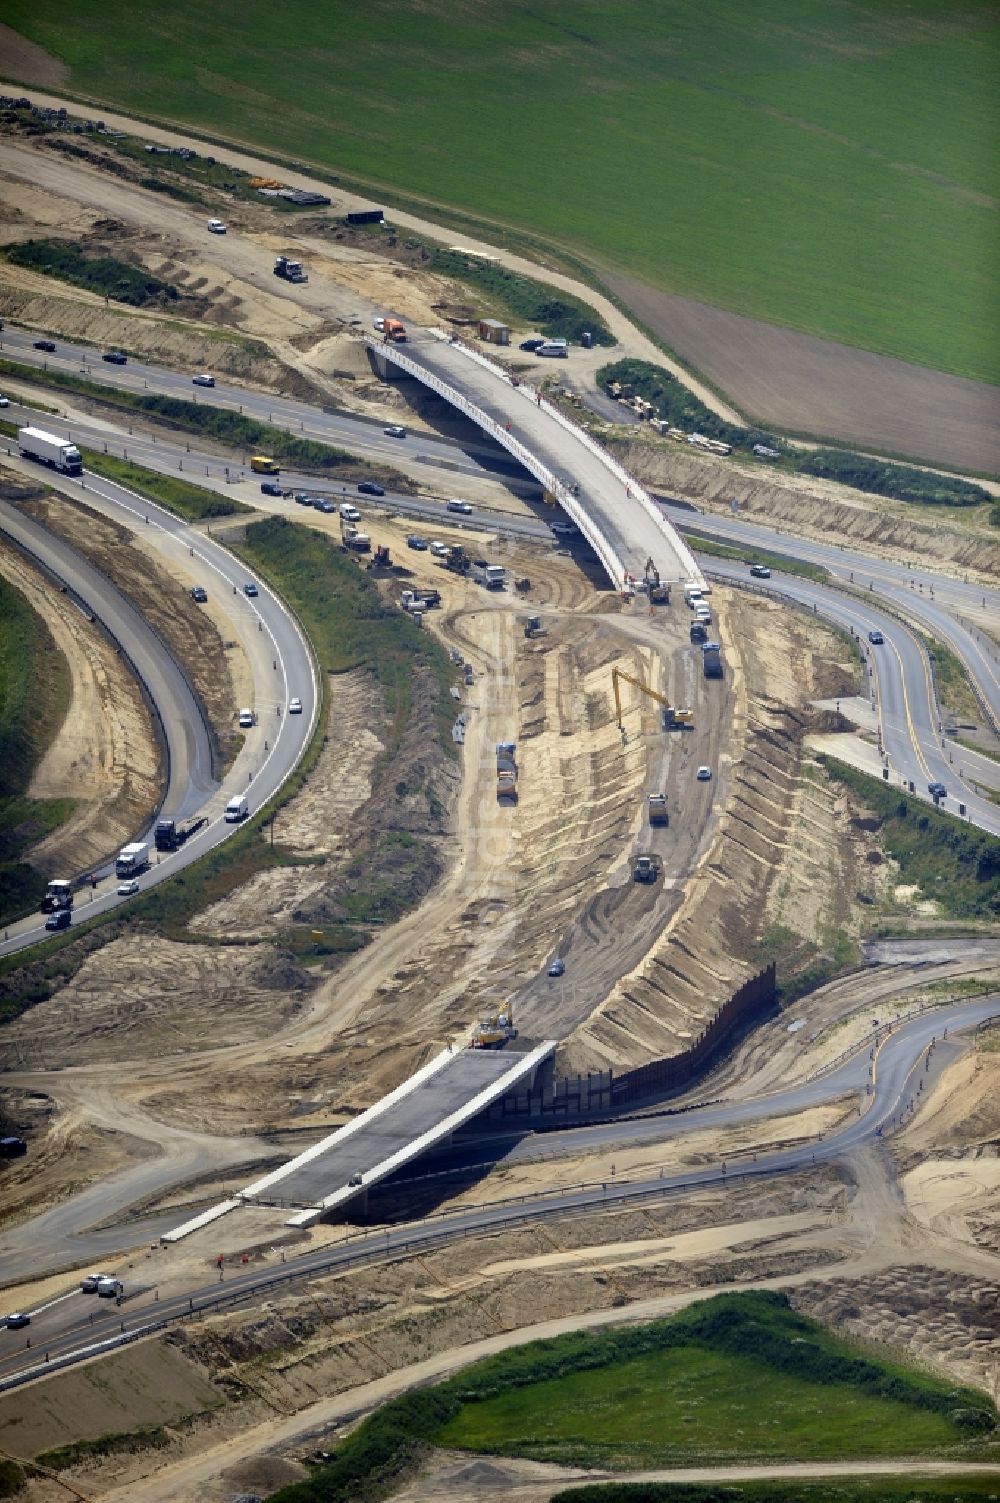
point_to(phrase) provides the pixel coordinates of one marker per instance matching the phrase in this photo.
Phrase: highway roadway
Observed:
(72, 1327)
(276, 648)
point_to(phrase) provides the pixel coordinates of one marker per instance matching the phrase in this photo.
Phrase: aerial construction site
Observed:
(509, 937)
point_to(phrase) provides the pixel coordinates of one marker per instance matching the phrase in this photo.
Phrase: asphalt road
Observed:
(278, 654)
(72, 1326)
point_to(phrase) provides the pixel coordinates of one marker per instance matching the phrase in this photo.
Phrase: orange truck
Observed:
(394, 331)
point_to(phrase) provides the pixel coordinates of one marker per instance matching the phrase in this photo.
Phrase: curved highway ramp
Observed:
(622, 524)
(424, 1111)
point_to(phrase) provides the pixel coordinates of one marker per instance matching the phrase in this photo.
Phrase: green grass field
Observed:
(830, 169)
(972, 1488)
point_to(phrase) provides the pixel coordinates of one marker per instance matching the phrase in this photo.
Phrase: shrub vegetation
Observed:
(100, 274)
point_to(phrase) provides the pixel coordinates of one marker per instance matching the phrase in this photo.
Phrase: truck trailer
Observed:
(132, 859)
(711, 660)
(49, 449)
(289, 270)
(170, 836)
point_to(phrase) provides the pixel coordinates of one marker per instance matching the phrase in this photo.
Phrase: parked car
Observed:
(876, 638)
(937, 790)
(302, 498)
(247, 720)
(416, 542)
(17, 1320)
(250, 588)
(531, 344)
(128, 889)
(704, 774)
(203, 380)
(369, 488)
(45, 344)
(322, 504)
(199, 593)
(217, 227)
(760, 571)
(115, 357)
(557, 967)
(295, 706)
(395, 430)
(270, 488)
(350, 513)
(440, 550)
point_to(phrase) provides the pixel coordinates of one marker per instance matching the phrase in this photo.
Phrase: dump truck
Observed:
(711, 660)
(132, 859)
(48, 448)
(393, 332)
(658, 809)
(58, 896)
(507, 770)
(492, 576)
(358, 542)
(170, 836)
(411, 601)
(289, 270)
(645, 868)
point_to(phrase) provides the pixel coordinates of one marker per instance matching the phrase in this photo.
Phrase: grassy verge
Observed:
(679, 407)
(740, 1376)
(557, 314)
(774, 561)
(951, 681)
(219, 423)
(952, 863)
(101, 274)
(955, 1488)
(802, 964)
(192, 502)
(34, 699)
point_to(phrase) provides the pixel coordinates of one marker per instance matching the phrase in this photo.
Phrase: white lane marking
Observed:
(57, 1301)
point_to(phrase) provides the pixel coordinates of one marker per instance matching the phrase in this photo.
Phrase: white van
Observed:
(237, 809)
(246, 719)
(349, 513)
(554, 347)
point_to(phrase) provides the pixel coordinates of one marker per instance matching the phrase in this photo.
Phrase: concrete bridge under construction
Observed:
(620, 521)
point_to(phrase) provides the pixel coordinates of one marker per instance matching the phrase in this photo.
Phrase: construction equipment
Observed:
(507, 771)
(533, 627)
(494, 1031)
(658, 809)
(393, 332)
(677, 718)
(645, 868)
(656, 589)
(382, 560)
(58, 896)
(288, 270)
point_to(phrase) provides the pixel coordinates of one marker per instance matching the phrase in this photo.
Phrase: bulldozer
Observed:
(645, 868)
(672, 719)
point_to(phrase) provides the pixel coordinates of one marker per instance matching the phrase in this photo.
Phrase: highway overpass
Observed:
(620, 521)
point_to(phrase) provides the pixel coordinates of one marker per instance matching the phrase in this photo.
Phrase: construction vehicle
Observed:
(658, 809)
(411, 602)
(492, 576)
(358, 542)
(533, 627)
(645, 868)
(494, 1031)
(656, 589)
(457, 560)
(382, 561)
(711, 660)
(699, 631)
(677, 720)
(132, 859)
(393, 332)
(672, 719)
(263, 464)
(170, 836)
(289, 270)
(58, 896)
(507, 771)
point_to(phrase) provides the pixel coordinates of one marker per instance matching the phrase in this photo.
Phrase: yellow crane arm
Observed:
(617, 674)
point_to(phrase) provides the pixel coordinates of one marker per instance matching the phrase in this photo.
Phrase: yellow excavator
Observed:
(672, 719)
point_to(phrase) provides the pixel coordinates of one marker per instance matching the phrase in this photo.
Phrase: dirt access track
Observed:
(783, 378)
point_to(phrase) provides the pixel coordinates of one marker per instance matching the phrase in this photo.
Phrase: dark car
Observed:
(324, 505)
(937, 790)
(115, 357)
(18, 1320)
(302, 498)
(200, 594)
(531, 344)
(760, 571)
(876, 637)
(250, 588)
(61, 919)
(557, 967)
(416, 542)
(45, 344)
(270, 488)
(369, 488)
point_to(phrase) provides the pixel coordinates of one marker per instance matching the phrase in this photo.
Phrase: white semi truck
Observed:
(132, 859)
(49, 449)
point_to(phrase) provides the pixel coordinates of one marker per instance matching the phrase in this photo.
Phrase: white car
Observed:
(4, 401)
(217, 227)
(247, 720)
(203, 380)
(439, 550)
(128, 889)
(295, 706)
(704, 774)
(395, 430)
(464, 507)
(109, 1288)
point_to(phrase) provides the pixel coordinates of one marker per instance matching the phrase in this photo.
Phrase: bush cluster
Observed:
(557, 314)
(898, 481)
(100, 274)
